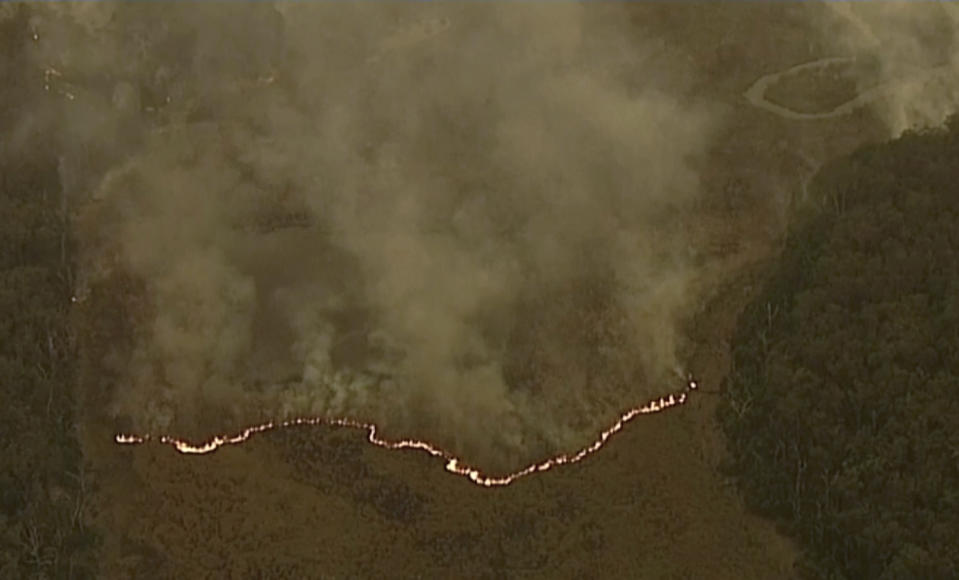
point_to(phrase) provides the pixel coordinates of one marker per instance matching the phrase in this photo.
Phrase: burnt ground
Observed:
(320, 502)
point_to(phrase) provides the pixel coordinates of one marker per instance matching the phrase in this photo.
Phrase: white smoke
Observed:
(457, 221)
(917, 47)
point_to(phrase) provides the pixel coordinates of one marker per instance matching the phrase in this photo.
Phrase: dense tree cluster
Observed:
(42, 486)
(842, 410)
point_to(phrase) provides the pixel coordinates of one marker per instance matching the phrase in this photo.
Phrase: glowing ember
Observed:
(453, 464)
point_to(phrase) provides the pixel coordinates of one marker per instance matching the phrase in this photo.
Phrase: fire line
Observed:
(453, 464)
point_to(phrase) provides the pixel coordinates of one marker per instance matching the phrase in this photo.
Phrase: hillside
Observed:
(841, 409)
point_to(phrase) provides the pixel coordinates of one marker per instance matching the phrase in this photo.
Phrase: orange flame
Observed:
(453, 464)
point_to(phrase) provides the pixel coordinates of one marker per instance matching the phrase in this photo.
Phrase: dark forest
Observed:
(841, 410)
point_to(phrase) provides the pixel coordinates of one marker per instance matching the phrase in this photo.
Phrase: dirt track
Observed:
(756, 94)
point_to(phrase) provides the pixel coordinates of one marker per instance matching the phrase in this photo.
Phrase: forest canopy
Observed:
(42, 481)
(842, 409)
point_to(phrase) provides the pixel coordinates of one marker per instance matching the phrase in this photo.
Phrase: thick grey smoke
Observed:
(457, 221)
(916, 45)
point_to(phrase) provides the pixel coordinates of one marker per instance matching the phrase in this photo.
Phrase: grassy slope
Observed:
(651, 505)
(312, 502)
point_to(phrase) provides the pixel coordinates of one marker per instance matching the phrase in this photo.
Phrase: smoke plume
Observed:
(916, 47)
(457, 221)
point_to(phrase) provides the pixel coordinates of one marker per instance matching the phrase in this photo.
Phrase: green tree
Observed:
(841, 408)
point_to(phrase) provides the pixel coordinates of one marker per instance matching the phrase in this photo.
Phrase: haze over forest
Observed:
(491, 226)
(479, 244)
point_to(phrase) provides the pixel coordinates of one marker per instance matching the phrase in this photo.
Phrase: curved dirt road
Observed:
(756, 94)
